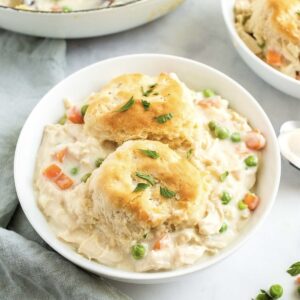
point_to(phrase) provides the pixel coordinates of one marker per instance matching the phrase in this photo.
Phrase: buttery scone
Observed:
(145, 185)
(271, 29)
(137, 106)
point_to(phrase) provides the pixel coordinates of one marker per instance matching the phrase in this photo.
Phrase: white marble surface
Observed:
(196, 30)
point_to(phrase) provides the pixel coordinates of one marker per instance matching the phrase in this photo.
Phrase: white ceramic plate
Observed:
(275, 78)
(80, 24)
(79, 85)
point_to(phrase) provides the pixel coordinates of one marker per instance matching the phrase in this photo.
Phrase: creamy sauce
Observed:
(73, 217)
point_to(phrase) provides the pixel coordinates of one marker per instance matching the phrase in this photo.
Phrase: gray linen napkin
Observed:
(29, 269)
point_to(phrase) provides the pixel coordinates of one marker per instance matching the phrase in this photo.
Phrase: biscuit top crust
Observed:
(116, 180)
(165, 94)
(285, 17)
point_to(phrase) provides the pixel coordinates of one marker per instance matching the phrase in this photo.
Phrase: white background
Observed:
(196, 30)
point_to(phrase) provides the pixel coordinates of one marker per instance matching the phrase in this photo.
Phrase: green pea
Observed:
(226, 198)
(276, 291)
(262, 297)
(298, 290)
(221, 132)
(223, 228)
(74, 171)
(251, 161)
(242, 205)
(99, 162)
(235, 137)
(66, 9)
(212, 125)
(138, 251)
(84, 109)
(63, 120)
(208, 93)
(85, 177)
(224, 176)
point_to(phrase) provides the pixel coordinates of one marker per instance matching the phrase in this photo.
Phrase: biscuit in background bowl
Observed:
(76, 87)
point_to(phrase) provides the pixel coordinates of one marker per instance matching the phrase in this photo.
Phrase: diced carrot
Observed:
(55, 174)
(158, 244)
(298, 280)
(255, 141)
(56, 8)
(52, 171)
(63, 181)
(60, 155)
(251, 200)
(274, 58)
(74, 115)
(212, 102)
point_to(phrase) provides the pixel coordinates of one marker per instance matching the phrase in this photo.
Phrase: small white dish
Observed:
(79, 85)
(82, 24)
(275, 78)
(289, 142)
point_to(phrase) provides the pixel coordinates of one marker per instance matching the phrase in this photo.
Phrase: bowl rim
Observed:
(231, 28)
(149, 277)
(28, 11)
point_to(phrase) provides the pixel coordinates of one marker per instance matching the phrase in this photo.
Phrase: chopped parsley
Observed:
(85, 177)
(164, 118)
(99, 162)
(84, 109)
(189, 153)
(63, 120)
(166, 193)
(150, 153)
(141, 187)
(146, 177)
(127, 105)
(223, 228)
(149, 91)
(223, 176)
(146, 104)
(294, 269)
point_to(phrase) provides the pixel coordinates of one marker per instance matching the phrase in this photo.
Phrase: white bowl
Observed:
(80, 24)
(79, 85)
(275, 78)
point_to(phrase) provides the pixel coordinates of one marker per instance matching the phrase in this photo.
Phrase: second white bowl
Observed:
(275, 78)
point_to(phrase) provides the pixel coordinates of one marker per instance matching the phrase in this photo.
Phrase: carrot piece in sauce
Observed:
(55, 174)
(63, 181)
(52, 171)
(252, 201)
(274, 58)
(60, 155)
(255, 141)
(75, 116)
(158, 244)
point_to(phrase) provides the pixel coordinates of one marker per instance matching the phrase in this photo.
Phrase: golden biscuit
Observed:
(285, 17)
(136, 106)
(174, 196)
(276, 18)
